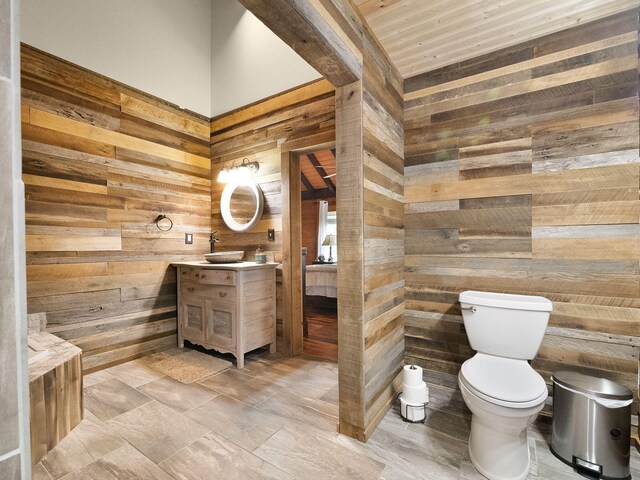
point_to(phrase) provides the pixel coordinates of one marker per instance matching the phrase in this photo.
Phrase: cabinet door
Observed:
(193, 319)
(221, 327)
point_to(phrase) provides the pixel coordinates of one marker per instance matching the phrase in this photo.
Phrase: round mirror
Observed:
(241, 206)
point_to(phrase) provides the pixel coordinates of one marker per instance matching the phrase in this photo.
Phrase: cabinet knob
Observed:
(203, 276)
(222, 294)
(191, 289)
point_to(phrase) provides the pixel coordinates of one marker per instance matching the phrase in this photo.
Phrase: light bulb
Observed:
(244, 175)
(223, 176)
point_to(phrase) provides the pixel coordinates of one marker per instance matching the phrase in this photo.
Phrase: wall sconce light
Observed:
(240, 174)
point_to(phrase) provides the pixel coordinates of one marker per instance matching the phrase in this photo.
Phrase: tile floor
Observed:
(275, 419)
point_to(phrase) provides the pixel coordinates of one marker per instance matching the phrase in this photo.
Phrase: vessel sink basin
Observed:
(224, 257)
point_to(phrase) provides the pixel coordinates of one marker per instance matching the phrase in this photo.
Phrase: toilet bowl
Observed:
(498, 385)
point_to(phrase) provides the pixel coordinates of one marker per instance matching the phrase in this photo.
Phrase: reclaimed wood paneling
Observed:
(55, 393)
(101, 161)
(522, 177)
(305, 114)
(333, 37)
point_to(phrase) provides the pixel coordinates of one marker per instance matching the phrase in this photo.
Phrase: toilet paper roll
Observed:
(410, 412)
(412, 375)
(416, 395)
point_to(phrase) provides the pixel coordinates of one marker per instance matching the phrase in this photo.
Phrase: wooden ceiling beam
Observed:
(306, 182)
(322, 172)
(313, 37)
(318, 194)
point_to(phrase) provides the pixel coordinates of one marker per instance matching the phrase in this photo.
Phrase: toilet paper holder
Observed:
(413, 408)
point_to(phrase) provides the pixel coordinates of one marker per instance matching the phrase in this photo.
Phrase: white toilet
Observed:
(498, 385)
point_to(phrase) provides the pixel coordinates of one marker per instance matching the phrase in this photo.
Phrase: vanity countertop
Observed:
(239, 266)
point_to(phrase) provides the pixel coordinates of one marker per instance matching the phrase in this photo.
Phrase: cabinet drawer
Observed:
(210, 292)
(217, 277)
(187, 273)
(189, 288)
(215, 292)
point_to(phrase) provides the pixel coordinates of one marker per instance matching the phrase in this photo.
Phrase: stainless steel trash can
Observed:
(591, 426)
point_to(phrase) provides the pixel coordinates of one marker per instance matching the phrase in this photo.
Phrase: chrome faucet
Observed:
(213, 240)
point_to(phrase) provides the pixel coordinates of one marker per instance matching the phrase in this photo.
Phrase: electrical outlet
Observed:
(188, 238)
(271, 235)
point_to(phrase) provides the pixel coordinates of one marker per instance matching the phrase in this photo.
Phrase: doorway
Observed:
(319, 264)
(296, 179)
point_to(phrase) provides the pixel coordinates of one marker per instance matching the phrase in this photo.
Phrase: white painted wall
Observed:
(249, 62)
(162, 47)
(210, 56)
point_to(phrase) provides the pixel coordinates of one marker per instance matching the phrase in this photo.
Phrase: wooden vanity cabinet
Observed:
(230, 308)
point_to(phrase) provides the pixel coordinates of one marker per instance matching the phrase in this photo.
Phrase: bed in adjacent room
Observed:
(322, 280)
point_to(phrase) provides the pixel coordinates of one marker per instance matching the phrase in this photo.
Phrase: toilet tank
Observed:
(505, 325)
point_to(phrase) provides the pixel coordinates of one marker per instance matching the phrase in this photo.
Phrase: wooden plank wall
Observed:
(306, 115)
(522, 177)
(335, 39)
(55, 393)
(100, 162)
(383, 230)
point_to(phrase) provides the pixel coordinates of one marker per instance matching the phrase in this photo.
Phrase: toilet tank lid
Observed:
(506, 300)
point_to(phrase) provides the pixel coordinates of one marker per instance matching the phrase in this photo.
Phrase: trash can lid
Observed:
(599, 387)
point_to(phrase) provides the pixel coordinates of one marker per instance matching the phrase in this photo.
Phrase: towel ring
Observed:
(159, 218)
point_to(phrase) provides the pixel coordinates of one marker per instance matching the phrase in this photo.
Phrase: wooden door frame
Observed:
(292, 295)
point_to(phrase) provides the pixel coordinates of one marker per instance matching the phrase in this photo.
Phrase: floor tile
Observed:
(86, 443)
(456, 426)
(239, 422)
(134, 373)
(302, 409)
(305, 454)
(213, 456)
(181, 397)
(111, 398)
(38, 472)
(331, 396)
(125, 463)
(156, 431)
(435, 455)
(95, 378)
(393, 417)
(274, 419)
(243, 387)
(309, 379)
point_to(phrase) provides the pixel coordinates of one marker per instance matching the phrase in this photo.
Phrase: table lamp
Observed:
(330, 240)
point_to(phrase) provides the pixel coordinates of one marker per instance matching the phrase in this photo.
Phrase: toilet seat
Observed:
(503, 381)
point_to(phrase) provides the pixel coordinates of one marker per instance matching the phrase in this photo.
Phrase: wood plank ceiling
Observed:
(424, 35)
(317, 172)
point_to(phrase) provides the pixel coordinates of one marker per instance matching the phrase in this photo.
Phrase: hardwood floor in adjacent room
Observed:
(322, 338)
